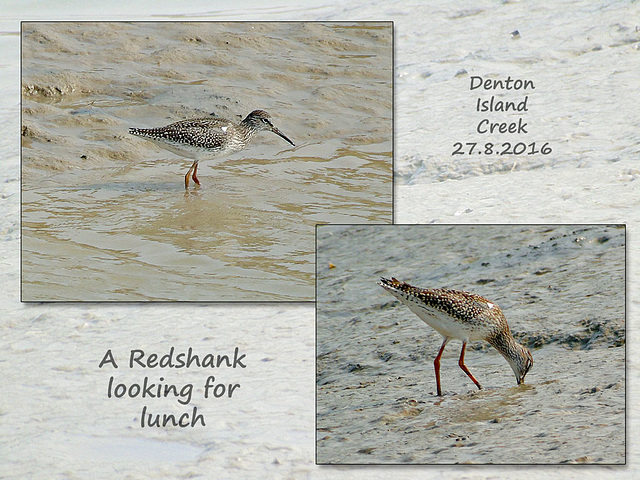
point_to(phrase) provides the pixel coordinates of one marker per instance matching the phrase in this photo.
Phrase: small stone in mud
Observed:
(585, 459)
(366, 451)
(354, 368)
(591, 390)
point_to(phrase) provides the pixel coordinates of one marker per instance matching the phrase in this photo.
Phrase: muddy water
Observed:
(562, 289)
(104, 213)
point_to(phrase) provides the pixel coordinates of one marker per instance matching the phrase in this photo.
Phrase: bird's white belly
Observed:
(445, 324)
(187, 150)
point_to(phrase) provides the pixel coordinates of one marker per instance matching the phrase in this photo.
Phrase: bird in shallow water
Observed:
(208, 138)
(464, 316)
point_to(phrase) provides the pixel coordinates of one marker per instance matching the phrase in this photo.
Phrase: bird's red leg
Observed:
(195, 170)
(464, 367)
(194, 165)
(187, 176)
(436, 364)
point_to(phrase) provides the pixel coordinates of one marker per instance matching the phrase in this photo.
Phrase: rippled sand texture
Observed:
(105, 215)
(562, 290)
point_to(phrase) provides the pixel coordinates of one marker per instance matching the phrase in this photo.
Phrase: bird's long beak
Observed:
(520, 379)
(278, 132)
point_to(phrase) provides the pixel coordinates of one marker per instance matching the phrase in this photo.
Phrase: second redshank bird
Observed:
(465, 316)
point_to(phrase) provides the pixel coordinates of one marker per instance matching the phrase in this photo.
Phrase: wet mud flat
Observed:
(104, 211)
(562, 290)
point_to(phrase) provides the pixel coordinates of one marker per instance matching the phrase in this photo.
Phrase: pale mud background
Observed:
(52, 398)
(583, 58)
(562, 290)
(104, 211)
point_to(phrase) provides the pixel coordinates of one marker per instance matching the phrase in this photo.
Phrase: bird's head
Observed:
(261, 120)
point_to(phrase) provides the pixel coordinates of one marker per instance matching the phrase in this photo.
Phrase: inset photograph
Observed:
(178, 161)
(471, 344)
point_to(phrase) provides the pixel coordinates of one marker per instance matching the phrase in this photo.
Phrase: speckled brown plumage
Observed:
(464, 316)
(207, 138)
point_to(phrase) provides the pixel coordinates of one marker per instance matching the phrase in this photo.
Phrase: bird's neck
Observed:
(506, 345)
(247, 130)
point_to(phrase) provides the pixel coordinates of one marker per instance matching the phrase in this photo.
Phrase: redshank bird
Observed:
(463, 316)
(207, 138)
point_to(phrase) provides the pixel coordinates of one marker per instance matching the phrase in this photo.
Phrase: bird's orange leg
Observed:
(464, 367)
(436, 364)
(191, 174)
(195, 170)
